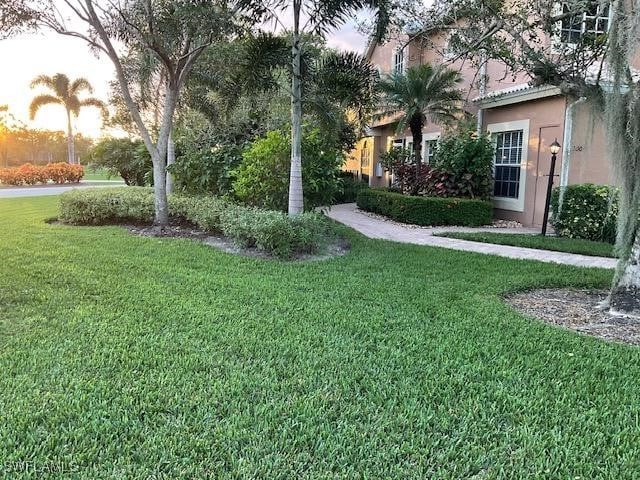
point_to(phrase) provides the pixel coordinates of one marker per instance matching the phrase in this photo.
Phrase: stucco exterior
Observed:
(539, 115)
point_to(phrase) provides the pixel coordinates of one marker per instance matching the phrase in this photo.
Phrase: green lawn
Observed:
(128, 357)
(99, 174)
(558, 244)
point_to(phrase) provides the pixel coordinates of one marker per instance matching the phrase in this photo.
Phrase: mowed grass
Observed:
(129, 357)
(557, 244)
(99, 174)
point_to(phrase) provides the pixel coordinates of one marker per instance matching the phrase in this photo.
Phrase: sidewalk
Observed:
(374, 227)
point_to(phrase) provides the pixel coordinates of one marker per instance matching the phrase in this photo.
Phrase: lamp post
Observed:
(554, 148)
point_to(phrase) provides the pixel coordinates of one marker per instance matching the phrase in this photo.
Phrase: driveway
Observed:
(42, 190)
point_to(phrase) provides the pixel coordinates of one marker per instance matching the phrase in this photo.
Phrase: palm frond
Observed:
(80, 84)
(41, 101)
(43, 80)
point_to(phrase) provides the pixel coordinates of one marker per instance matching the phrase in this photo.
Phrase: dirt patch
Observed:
(336, 248)
(577, 310)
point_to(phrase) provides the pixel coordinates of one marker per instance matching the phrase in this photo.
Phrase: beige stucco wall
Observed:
(546, 123)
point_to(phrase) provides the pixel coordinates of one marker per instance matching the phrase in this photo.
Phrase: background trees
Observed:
(173, 33)
(65, 93)
(310, 17)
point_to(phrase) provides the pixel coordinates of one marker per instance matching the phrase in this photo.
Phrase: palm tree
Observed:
(423, 92)
(65, 93)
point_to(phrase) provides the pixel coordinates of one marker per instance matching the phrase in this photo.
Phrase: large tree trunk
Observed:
(71, 149)
(160, 160)
(171, 159)
(296, 200)
(415, 126)
(625, 294)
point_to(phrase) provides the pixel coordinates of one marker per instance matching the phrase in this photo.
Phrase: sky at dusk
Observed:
(49, 53)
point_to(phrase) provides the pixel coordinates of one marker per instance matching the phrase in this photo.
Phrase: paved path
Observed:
(42, 190)
(374, 227)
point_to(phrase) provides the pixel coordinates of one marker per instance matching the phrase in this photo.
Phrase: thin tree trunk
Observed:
(625, 294)
(416, 131)
(171, 159)
(160, 160)
(296, 200)
(71, 151)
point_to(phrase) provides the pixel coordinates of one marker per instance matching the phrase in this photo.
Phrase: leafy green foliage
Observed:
(262, 179)
(196, 363)
(123, 157)
(202, 170)
(467, 159)
(426, 210)
(349, 188)
(587, 211)
(270, 231)
(556, 244)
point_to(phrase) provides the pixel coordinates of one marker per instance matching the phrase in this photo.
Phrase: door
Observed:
(546, 136)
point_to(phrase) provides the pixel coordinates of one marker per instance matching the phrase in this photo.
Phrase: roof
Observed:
(525, 92)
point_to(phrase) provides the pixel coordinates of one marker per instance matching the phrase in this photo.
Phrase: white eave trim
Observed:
(492, 99)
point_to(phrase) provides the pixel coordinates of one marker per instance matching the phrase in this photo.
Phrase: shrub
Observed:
(349, 188)
(426, 210)
(588, 211)
(267, 230)
(205, 169)
(123, 157)
(463, 165)
(262, 179)
(107, 206)
(29, 174)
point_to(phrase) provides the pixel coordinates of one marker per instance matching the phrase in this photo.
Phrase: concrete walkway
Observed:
(51, 189)
(376, 227)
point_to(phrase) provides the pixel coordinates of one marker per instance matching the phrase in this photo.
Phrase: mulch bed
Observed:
(335, 249)
(577, 310)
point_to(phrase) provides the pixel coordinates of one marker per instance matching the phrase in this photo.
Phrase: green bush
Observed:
(467, 159)
(271, 231)
(123, 157)
(262, 179)
(588, 211)
(426, 210)
(205, 169)
(349, 188)
(102, 206)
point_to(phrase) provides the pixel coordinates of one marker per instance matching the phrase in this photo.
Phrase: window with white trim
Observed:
(398, 60)
(508, 163)
(593, 22)
(429, 153)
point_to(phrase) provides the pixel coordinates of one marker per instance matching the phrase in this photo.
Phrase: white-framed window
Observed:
(429, 146)
(594, 21)
(398, 60)
(365, 155)
(510, 140)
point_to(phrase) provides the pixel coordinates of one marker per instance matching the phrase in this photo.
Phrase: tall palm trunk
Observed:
(296, 200)
(171, 159)
(415, 125)
(625, 295)
(71, 149)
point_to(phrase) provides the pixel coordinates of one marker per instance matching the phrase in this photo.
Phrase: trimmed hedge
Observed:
(426, 210)
(29, 174)
(588, 211)
(270, 231)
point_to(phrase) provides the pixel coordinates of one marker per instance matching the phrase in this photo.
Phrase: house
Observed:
(523, 121)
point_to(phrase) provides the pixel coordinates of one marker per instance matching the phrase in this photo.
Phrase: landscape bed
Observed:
(269, 231)
(557, 244)
(133, 357)
(425, 211)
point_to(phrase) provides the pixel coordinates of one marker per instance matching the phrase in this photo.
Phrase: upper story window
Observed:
(398, 60)
(592, 22)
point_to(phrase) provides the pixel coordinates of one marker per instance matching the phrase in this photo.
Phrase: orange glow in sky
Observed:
(48, 53)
